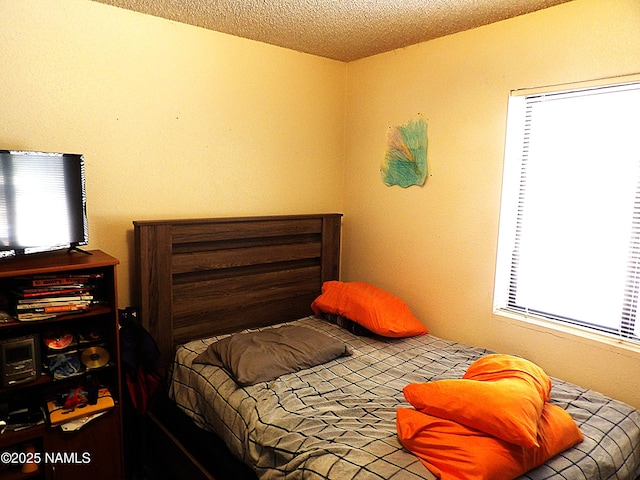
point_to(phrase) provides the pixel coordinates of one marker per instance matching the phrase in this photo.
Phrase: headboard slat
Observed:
(237, 229)
(208, 297)
(235, 291)
(226, 322)
(238, 257)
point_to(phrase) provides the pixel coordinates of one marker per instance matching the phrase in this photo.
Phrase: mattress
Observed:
(338, 420)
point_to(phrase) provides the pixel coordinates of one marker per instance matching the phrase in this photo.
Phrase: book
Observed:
(60, 280)
(34, 317)
(44, 313)
(54, 282)
(55, 300)
(79, 289)
(69, 307)
(53, 303)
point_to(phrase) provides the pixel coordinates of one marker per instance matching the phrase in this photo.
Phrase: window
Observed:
(569, 239)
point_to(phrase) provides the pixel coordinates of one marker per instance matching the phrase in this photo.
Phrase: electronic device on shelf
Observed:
(19, 360)
(42, 202)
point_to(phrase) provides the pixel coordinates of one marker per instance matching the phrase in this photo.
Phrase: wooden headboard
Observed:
(200, 277)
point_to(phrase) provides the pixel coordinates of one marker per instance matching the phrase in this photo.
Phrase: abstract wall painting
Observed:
(405, 162)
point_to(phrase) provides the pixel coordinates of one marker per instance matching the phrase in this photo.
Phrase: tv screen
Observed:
(42, 202)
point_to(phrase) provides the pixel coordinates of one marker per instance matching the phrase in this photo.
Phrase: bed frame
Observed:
(195, 278)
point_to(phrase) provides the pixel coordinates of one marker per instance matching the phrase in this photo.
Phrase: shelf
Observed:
(44, 378)
(93, 311)
(22, 436)
(54, 262)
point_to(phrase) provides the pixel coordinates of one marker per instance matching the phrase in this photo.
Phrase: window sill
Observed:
(571, 332)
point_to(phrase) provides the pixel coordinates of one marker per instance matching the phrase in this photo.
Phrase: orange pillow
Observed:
(499, 366)
(506, 403)
(369, 306)
(455, 452)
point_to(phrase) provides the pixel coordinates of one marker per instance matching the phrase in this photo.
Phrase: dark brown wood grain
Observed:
(200, 277)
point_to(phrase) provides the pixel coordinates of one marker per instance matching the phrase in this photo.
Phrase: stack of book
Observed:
(47, 296)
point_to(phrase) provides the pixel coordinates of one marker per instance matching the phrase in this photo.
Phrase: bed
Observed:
(200, 280)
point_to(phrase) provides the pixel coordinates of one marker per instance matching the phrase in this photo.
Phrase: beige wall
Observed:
(436, 245)
(173, 120)
(177, 121)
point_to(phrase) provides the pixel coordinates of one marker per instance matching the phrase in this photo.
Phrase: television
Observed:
(42, 202)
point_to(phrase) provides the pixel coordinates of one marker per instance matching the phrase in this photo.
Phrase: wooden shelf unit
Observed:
(95, 451)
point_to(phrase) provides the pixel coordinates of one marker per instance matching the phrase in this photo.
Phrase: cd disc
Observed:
(89, 335)
(94, 357)
(58, 340)
(94, 335)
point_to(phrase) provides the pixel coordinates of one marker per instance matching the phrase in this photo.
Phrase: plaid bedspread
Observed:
(337, 420)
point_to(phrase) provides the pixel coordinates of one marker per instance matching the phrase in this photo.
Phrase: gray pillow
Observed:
(253, 357)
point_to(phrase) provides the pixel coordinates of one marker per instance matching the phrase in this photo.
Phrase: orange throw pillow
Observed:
(369, 306)
(500, 395)
(499, 366)
(456, 452)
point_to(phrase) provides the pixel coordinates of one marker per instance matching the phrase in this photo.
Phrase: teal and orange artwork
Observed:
(405, 162)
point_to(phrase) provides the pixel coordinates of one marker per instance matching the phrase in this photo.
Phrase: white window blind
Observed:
(569, 241)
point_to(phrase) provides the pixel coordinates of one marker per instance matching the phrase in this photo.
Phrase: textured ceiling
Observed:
(340, 29)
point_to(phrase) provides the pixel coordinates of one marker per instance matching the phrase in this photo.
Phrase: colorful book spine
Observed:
(46, 296)
(54, 300)
(56, 308)
(61, 280)
(52, 291)
(51, 306)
